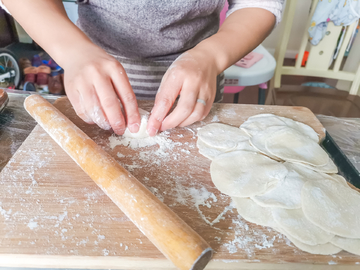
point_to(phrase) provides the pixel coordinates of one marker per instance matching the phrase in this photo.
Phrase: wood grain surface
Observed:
(53, 215)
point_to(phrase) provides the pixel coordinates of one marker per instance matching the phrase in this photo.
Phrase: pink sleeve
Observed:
(274, 6)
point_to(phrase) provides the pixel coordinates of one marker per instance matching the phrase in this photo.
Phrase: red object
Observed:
(30, 74)
(30, 77)
(43, 75)
(305, 58)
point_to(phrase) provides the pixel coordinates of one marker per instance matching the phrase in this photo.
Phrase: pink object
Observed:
(237, 89)
(223, 12)
(263, 85)
(249, 60)
(233, 89)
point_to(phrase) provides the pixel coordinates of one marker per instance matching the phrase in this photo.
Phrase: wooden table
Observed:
(54, 215)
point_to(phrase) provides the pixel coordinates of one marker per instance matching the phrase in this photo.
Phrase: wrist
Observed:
(68, 53)
(211, 50)
(207, 54)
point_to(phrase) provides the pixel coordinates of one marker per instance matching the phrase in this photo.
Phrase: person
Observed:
(163, 50)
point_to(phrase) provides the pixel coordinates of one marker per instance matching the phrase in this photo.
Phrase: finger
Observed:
(127, 97)
(110, 104)
(92, 106)
(168, 92)
(184, 108)
(198, 113)
(74, 97)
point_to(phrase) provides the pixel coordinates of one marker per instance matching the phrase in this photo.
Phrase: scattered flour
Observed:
(120, 155)
(157, 193)
(215, 119)
(249, 240)
(4, 213)
(161, 139)
(32, 224)
(105, 252)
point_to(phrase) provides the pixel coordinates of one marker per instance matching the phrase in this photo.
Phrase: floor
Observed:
(324, 101)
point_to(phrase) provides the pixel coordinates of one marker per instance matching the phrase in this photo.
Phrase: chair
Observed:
(237, 78)
(319, 57)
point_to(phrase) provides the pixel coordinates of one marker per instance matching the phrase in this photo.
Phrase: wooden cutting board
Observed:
(53, 215)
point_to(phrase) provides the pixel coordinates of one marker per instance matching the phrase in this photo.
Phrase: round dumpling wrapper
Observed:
(332, 206)
(221, 136)
(245, 173)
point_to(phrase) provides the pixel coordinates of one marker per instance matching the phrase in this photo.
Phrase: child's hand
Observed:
(193, 77)
(96, 83)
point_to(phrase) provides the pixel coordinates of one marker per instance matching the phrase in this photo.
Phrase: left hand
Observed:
(193, 77)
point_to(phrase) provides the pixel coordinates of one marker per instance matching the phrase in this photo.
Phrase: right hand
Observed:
(95, 84)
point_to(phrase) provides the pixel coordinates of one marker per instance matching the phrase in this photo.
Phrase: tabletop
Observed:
(16, 124)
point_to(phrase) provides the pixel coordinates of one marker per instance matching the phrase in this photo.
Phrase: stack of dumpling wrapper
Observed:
(278, 175)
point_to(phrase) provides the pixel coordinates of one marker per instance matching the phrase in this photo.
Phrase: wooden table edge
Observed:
(116, 262)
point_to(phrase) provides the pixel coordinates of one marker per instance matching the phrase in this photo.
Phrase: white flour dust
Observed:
(155, 150)
(32, 225)
(162, 140)
(202, 197)
(249, 240)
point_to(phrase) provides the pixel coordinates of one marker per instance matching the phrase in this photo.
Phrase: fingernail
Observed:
(119, 131)
(152, 131)
(134, 128)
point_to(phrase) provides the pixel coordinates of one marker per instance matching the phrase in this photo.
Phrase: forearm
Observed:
(47, 23)
(241, 32)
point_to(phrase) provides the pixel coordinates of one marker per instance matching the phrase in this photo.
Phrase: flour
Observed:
(250, 241)
(4, 213)
(32, 225)
(161, 140)
(215, 119)
(120, 155)
(159, 146)
(157, 193)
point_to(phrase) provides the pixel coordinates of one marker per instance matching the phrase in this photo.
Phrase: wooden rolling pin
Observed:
(171, 235)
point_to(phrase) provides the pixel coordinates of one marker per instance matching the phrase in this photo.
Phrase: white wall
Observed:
(302, 12)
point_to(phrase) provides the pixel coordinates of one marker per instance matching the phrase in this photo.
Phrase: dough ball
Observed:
(333, 207)
(142, 133)
(294, 223)
(245, 174)
(221, 136)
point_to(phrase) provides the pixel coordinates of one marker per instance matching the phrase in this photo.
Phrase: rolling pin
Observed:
(170, 234)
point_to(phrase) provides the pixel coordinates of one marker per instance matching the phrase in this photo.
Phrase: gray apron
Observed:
(147, 36)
